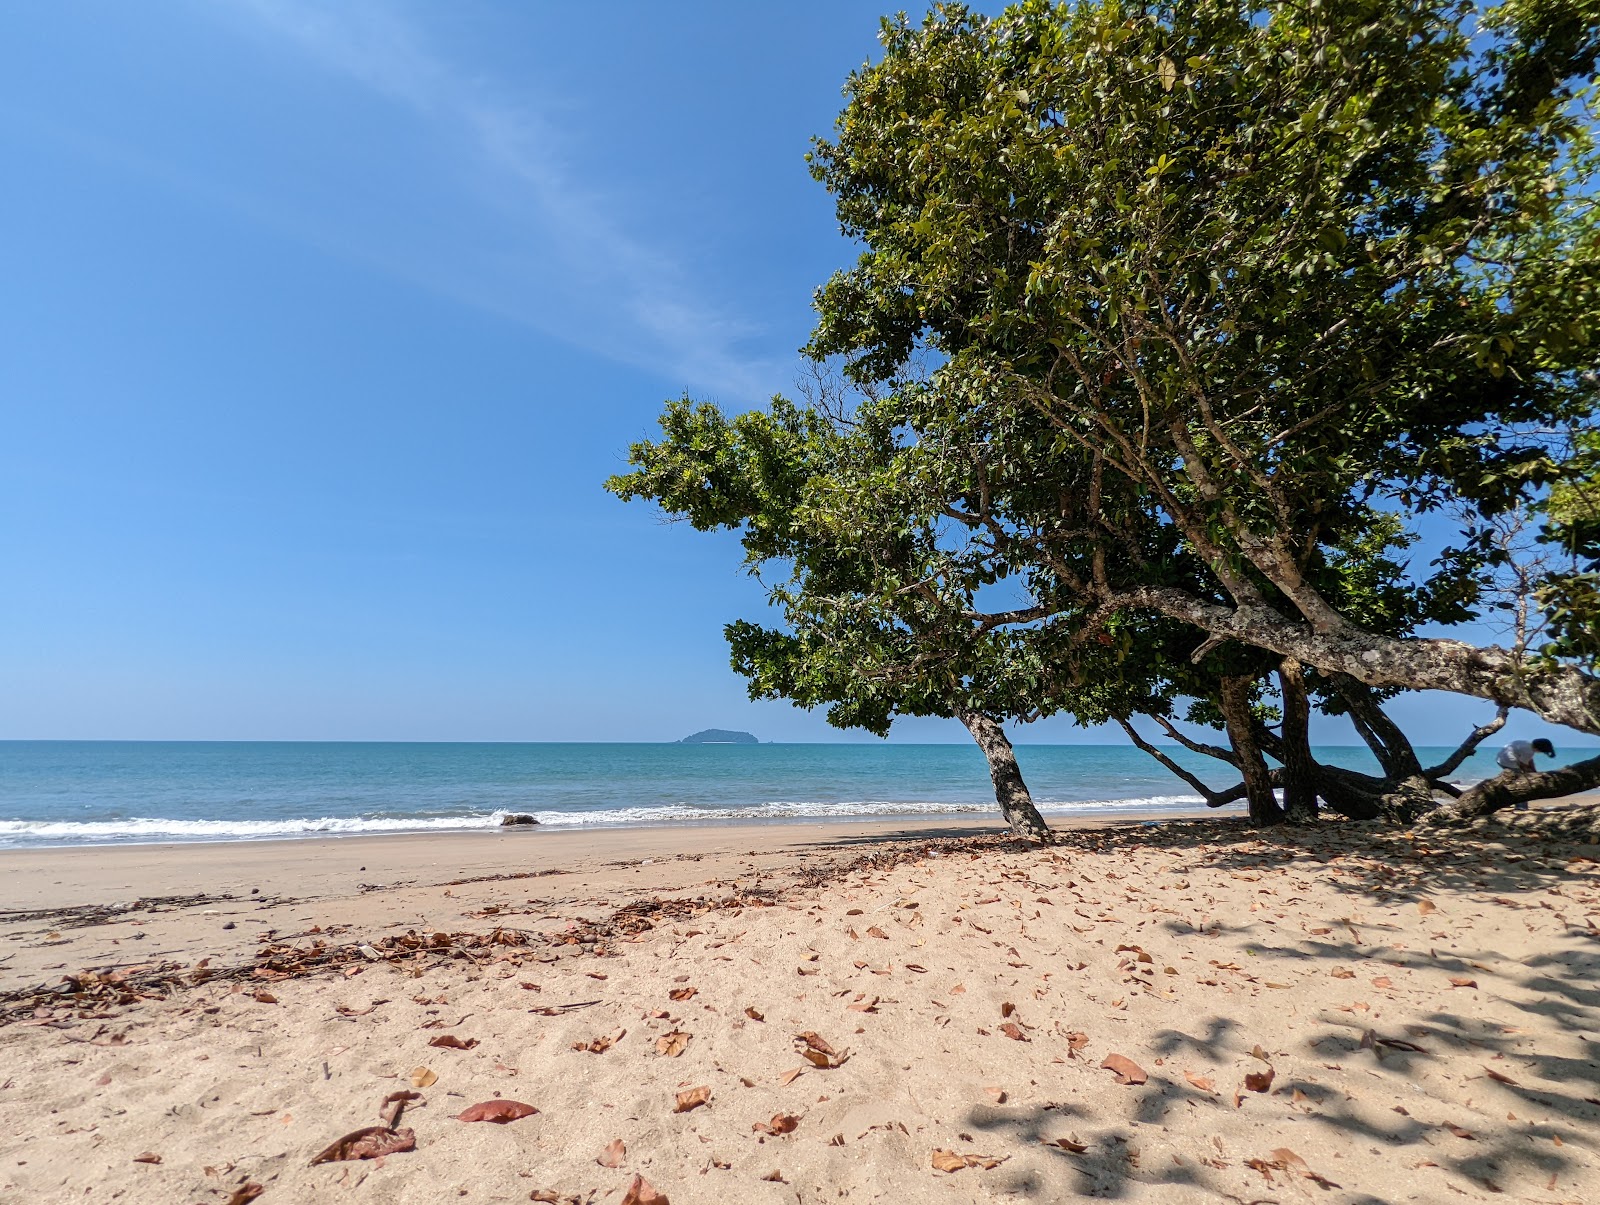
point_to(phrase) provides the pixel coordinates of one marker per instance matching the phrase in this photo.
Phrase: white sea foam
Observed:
(152, 829)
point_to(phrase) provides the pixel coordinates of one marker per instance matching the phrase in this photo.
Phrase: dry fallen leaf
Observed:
(147, 1157)
(1459, 1132)
(1011, 1031)
(753, 1014)
(613, 1155)
(603, 1043)
(1204, 1082)
(1292, 1163)
(781, 1123)
(448, 1041)
(642, 1192)
(682, 993)
(692, 1098)
(498, 1111)
(877, 932)
(1425, 907)
(998, 1095)
(672, 1044)
(1127, 1071)
(396, 1103)
(1462, 981)
(421, 1077)
(818, 1052)
(1067, 1144)
(1501, 1077)
(788, 1077)
(949, 1161)
(371, 1142)
(246, 1193)
(1260, 1081)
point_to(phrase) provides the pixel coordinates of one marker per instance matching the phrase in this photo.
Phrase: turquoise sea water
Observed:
(75, 792)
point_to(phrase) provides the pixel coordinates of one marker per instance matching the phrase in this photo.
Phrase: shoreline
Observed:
(1066, 815)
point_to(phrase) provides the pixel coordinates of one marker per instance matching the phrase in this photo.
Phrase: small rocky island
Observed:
(719, 736)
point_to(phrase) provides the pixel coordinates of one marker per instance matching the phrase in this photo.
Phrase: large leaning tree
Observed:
(1279, 271)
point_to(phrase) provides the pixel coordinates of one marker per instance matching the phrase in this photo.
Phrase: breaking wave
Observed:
(155, 829)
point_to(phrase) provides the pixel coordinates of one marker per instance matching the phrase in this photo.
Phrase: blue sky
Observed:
(324, 324)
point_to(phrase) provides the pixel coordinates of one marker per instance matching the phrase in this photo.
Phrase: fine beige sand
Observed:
(1342, 1015)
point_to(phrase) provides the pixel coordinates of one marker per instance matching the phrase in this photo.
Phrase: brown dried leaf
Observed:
(246, 1193)
(788, 1077)
(421, 1077)
(1067, 1144)
(147, 1157)
(448, 1041)
(692, 1098)
(1204, 1082)
(877, 932)
(1294, 1165)
(642, 1192)
(371, 1142)
(949, 1161)
(672, 1044)
(1501, 1077)
(781, 1123)
(1459, 1132)
(1426, 906)
(1011, 1031)
(817, 1051)
(1462, 981)
(682, 993)
(998, 1095)
(601, 1044)
(1260, 1081)
(498, 1111)
(754, 1014)
(396, 1103)
(1127, 1071)
(616, 1151)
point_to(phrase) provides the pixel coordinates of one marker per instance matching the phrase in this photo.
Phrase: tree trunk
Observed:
(1235, 699)
(1299, 767)
(1389, 745)
(1010, 791)
(1517, 787)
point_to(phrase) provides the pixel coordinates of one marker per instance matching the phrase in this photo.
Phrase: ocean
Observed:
(96, 792)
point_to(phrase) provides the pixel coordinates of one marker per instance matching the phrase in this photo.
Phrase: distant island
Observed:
(719, 736)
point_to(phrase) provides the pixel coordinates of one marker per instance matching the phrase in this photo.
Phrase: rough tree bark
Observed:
(1514, 787)
(1235, 699)
(1010, 790)
(1561, 694)
(1299, 767)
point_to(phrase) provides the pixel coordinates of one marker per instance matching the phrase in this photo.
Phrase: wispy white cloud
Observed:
(569, 264)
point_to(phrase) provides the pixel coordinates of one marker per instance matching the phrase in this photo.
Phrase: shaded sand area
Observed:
(1187, 1012)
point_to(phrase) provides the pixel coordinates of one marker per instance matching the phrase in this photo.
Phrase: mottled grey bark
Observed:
(1010, 790)
(1235, 700)
(1514, 787)
(1561, 694)
(1299, 767)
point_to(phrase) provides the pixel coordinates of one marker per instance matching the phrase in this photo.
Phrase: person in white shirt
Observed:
(1517, 757)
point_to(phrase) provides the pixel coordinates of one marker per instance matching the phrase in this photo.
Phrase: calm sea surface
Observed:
(77, 792)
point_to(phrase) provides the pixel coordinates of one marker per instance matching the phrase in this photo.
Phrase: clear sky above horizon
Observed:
(325, 323)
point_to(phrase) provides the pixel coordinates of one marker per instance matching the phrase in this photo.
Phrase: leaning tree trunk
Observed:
(1235, 699)
(1513, 787)
(1010, 791)
(1299, 767)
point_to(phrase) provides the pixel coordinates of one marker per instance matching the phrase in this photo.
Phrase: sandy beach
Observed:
(1181, 1012)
